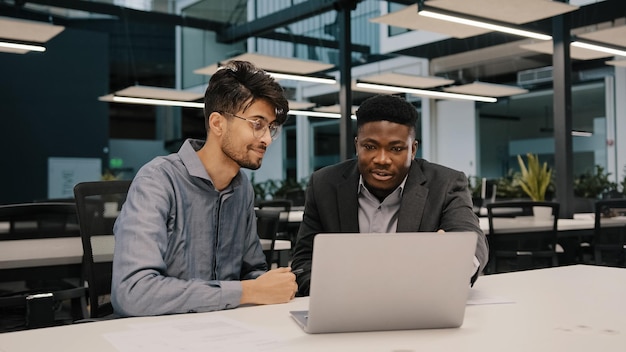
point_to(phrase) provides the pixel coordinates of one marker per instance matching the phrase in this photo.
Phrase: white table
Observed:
(576, 308)
(580, 222)
(65, 254)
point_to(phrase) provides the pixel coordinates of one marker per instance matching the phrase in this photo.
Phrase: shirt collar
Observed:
(362, 186)
(194, 165)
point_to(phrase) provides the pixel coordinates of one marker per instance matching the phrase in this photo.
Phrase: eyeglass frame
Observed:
(269, 127)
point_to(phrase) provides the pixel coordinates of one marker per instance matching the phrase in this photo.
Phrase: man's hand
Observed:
(275, 286)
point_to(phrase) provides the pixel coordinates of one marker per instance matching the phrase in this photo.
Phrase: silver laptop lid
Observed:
(368, 282)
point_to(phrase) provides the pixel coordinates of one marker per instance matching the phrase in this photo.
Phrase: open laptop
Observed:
(399, 281)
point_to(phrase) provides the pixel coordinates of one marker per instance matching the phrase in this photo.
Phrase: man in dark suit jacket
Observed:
(385, 189)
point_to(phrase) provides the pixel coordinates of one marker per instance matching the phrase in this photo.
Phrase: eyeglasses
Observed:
(259, 126)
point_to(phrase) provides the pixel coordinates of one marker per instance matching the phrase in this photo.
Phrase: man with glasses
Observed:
(185, 240)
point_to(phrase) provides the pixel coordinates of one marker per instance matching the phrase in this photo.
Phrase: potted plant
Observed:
(534, 180)
(592, 185)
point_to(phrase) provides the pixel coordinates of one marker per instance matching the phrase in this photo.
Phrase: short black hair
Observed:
(388, 108)
(237, 85)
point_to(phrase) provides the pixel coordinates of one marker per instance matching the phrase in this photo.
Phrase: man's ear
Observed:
(414, 147)
(216, 123)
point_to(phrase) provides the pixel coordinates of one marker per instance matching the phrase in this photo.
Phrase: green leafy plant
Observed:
(592, 185)
(273, 189)
(534, 178)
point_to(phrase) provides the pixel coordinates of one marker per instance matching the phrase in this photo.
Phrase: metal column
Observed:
(563, 155)
(346, 138)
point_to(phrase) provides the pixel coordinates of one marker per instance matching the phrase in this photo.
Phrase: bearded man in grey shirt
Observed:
(185, 240)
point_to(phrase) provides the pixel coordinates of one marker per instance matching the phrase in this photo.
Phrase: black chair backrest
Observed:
(281, 205)
(527, 247)
(98, 204)
(39, 220)
(267, 228)
(275, 204)
(296, 196)
(609, 239)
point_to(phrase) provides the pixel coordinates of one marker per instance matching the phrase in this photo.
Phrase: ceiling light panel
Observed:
(547, 47)
(511, 11)
(273, 63)
(486, 89)
(397, 79)
(408, 18)
(618, 63)
(159, 93)
(614, 36)
(28, 31)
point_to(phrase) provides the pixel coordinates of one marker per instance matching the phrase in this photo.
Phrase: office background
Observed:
(49, 103)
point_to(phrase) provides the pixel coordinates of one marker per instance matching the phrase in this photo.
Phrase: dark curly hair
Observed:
(388, 108)
(237, 85)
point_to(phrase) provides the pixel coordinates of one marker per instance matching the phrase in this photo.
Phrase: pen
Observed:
(297, 271)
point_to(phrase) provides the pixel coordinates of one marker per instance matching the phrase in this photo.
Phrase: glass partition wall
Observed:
(524, 124)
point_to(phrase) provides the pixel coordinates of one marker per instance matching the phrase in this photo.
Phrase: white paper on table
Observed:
(206, 333)
(477, 297)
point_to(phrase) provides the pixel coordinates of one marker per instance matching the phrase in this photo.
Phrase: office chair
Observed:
(609, 235)
(39, 303)
(39, 220)
(98, 204)
(509, 250)
(267, 226)
(284, 207)
(296, 196)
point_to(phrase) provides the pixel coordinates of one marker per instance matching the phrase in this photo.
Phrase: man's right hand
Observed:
(275, 286)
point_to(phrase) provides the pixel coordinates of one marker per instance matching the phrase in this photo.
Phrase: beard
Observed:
(242, 159)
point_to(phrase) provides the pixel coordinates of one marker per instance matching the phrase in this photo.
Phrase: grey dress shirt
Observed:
(181, 245)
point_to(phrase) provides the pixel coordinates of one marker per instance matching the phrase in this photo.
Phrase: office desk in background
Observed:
(61, 257)
(580, 223)
(45, 257)
(574, 308)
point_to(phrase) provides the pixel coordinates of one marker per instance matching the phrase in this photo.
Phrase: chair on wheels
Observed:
(267, 227)
(98, 204)
(510, 250)
(609, 236)
(34, 303)
(284, 207)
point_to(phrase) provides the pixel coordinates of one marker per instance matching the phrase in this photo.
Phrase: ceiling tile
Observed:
(546, 47)
(159, 93)
(619, 63)
(615, 36)
(300, 105)
(408, 18)
(404, 80)
(28, 31)
(511, 11)
(486, 89)
(273, 64)
(335, 108)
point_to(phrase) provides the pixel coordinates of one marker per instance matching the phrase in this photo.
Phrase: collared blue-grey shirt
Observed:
(180, 244)
(377, 216)
(382, 217)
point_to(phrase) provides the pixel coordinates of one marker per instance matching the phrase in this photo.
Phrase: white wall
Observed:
(135, 153)
(455, 135)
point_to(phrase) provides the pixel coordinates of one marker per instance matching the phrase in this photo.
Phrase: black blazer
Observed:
(435, 197)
